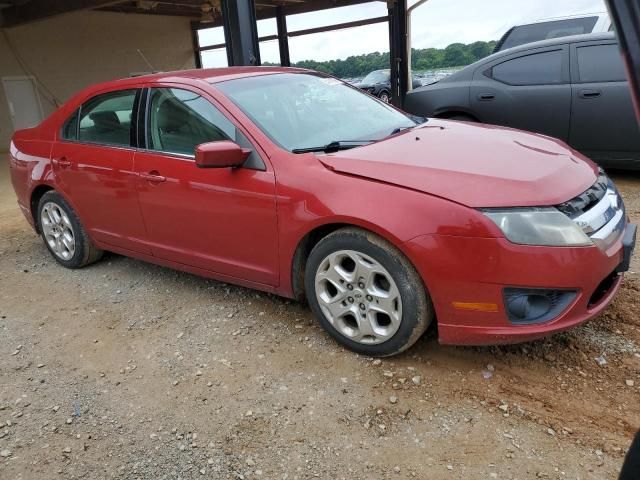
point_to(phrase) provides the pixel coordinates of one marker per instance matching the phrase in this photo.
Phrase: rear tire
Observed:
(63, 234)
(366, 294)
(384, 96)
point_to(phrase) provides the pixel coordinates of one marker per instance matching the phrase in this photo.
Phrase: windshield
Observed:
(378, 76)
(303, 110)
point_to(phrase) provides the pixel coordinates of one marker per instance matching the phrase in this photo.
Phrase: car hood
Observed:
(471, 164)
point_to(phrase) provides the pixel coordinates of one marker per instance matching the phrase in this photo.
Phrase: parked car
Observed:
(378, 84)
(572, 88)
(554, 28)
(272, 178)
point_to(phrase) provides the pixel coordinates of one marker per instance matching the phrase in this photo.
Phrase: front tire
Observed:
(63, 234)
(366, 294)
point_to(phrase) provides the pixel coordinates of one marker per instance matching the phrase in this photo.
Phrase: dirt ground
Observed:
(128, 370)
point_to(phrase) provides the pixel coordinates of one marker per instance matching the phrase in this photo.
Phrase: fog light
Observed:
(535, 305)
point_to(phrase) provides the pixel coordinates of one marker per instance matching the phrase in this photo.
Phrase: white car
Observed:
(549, 28)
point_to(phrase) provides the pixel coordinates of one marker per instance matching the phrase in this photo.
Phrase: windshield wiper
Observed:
(415, 118)
(334, 146)
(400, 129)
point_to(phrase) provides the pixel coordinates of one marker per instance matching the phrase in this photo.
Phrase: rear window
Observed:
(107, 119)
(600, 63)
(70, 127)
(546, 30)
(537, 69)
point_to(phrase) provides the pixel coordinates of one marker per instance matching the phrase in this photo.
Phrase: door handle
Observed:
(589, 93)
(153, 176)
(485, 97)
(62, 162)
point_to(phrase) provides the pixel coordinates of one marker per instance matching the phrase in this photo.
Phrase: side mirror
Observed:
(220, 155)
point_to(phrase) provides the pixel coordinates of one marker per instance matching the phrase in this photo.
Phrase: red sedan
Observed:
(295, 183)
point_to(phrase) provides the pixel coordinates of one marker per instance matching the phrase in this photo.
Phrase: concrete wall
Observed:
(72, 51)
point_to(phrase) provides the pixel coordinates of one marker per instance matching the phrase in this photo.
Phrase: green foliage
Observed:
(455, 55)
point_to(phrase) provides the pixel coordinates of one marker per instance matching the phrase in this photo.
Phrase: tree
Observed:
(455, 55)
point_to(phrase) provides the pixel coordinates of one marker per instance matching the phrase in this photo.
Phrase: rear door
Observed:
(603, 124)
(529, 90)
(93, 163)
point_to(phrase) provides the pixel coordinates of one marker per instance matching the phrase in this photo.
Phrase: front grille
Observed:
(599, 211)
(588, 199)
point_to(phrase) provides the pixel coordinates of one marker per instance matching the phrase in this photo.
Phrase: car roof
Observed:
(213, 75)
(556, 41)
(208, 75)
(193, 77)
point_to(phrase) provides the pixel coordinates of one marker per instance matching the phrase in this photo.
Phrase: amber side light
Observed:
(475, 307)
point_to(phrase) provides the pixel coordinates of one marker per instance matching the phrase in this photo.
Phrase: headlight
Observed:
(538, 226)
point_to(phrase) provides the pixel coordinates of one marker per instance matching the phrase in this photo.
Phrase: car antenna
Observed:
(146, 60)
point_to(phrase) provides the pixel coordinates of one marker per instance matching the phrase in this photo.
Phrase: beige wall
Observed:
(72, 51)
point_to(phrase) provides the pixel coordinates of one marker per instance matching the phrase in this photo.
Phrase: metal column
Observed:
(241, 32)
(398, 50)
(283, 38)
(626, 17)
(196, 45)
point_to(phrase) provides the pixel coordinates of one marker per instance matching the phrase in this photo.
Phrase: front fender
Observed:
(310, 196)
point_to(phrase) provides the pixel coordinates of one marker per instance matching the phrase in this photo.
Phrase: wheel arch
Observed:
(36, 194)
(311, 238)
(449, 113)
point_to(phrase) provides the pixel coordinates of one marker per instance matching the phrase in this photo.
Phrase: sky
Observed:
(437, 23)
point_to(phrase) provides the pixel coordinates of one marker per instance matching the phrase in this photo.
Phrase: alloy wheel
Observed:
(58, 231)
(359, 297)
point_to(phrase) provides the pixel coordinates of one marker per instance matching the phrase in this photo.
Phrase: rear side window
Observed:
(106, 119)
(70, 127)
(537, 69)
(180, 120)
(600, 63)
(546, 30)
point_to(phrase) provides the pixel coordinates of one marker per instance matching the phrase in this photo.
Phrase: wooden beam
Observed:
(160, 10)
(269, 10)
(315, 5)
(41, 9)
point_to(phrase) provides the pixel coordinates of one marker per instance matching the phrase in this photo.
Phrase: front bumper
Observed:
(464, 270)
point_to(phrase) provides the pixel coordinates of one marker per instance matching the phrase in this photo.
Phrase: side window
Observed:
(180, 120)
(600, 63)
(106, 118)
(537, 69)
(70, 127)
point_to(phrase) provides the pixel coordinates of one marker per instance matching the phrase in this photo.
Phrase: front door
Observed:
(530, 92)
(222, 220)
(93, 162)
